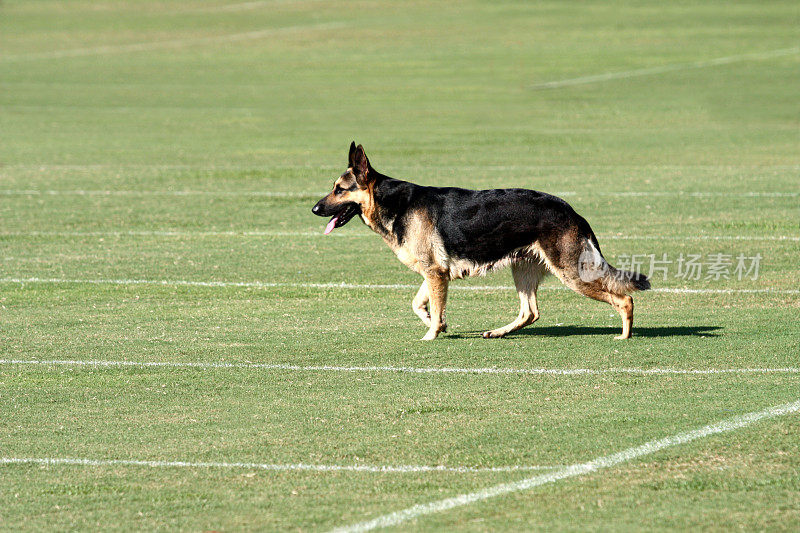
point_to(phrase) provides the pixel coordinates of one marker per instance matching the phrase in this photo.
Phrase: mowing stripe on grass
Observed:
(391, 286)
(316, 194)
(662, 69)
(175, 43)
(394, 469)
(405, 369)
(319, 233)
(577, 469)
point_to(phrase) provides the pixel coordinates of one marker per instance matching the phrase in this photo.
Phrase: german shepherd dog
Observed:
(446, 233)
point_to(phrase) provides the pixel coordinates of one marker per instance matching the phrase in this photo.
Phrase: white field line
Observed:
(241, 6)
(319, 233)
(175, 43)
(399, 469)
(648, 71)
(702, 237)
(578, 469)
(316, 194)
(170, 233)
(708, 194)
(100, 192)
(395, 286)
(400, 170)
(404, 369)
(247, 6)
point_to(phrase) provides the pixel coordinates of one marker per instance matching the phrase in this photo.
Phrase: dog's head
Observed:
(352, 191)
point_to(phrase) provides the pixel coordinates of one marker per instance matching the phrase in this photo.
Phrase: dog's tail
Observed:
(592, 266)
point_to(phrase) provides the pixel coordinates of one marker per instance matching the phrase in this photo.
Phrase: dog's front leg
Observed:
(420, 304)
(437, 292)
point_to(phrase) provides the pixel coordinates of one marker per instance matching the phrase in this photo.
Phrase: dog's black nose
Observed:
(315, 209)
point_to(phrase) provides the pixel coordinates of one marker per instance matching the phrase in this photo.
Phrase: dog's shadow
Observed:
(568, 331)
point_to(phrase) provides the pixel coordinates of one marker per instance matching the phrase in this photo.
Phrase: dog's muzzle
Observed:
(341, 214)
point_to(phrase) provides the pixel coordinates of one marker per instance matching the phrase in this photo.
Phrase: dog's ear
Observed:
(361, 167)
(351, 154)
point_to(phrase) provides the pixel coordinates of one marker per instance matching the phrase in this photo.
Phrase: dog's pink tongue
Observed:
(331, 224)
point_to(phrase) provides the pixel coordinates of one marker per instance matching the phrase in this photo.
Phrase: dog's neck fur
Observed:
(391, 198)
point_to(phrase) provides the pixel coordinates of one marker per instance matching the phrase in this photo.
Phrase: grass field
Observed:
(158, 165)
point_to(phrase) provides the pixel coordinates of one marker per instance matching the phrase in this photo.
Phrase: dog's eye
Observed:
(338, 190)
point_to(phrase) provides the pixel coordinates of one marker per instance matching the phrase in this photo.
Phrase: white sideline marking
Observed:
(175, 43)
(241, 6)
(170, 233)
(318, 233)
(400, 469)
(709, 194)
(455, 166)
(407, 369)
(246, 6)
(718, 291)
(316, 194)
(394, 286)
(578, 469)
(666, 68)
(101, 192)
(701, 237)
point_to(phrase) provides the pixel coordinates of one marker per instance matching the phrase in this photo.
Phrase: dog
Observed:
(447, 233)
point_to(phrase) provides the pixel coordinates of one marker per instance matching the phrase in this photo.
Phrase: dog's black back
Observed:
(482, 226)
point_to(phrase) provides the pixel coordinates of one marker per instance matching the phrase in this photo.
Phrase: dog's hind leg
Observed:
(597, 288)
(622, 304)
(437, 293)
(420, 304)
(527, 275)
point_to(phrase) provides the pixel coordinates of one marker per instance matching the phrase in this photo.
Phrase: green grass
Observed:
(443, 94)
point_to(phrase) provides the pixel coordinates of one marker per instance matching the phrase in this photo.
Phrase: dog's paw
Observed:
(492, 335)
(429, 336)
